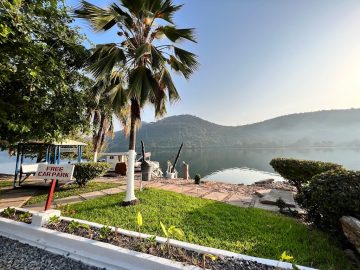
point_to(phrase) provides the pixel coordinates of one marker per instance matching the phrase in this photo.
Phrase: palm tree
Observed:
(137, 67)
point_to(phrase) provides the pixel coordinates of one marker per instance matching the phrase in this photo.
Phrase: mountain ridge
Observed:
(320, 128)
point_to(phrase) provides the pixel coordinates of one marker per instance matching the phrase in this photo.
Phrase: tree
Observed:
(137, 66)
(102, 116)
(42, 91)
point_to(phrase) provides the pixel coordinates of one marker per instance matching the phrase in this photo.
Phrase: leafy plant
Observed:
(135, 69)
(9, 212)
(76, 225)
(139, 222)
(172, 231)
(24, 216)
(151, 239)
(104, 232)
(329, 196)
(299, 172)
(85, 172)
(197, 179)
(54, 220)
(50, 72)
(286, 257)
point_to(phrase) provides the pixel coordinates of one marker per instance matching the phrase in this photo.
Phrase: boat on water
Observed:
(122, 157)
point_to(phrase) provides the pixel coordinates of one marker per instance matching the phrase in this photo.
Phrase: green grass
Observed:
(243, 230)
(70, 190)
(4, 183)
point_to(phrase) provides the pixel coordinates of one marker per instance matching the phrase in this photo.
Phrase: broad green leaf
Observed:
(285, 257)
(164, 229)
(176, 232)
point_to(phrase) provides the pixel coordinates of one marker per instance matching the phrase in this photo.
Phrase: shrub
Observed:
(299, 172)
(331, 195)
(85, 172)
(197, 179)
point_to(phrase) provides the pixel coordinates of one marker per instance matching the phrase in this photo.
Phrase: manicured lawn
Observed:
(4, 183)
(244, 230)
(70, 190)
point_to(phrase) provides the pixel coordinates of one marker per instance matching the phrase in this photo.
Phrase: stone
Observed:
(264, 182)
(111, 191)
(262, 193)
(351, 228)
(275, 194)
(92, 195)
(216, 196)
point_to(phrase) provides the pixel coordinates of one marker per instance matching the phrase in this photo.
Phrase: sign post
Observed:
(54, 172)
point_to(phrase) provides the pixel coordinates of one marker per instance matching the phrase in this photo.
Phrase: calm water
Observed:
(235, 165)
(250, 165)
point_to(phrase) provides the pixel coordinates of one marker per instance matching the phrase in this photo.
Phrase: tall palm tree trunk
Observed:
(98, 133)
(130, 187)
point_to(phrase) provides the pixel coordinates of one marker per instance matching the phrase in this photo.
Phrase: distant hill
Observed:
(322, 128)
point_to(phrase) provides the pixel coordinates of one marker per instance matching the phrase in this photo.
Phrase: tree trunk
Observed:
(99, 135)
(130, 198)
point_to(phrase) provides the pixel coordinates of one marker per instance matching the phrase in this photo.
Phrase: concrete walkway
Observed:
(77, 198)
(15, 197)
(263, 199)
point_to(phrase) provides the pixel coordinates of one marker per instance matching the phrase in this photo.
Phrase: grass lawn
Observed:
(4, 183)
(70, 190)
(244, 230)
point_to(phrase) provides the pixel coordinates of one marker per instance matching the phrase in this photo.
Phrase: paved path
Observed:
(77, 198)
(15, 197)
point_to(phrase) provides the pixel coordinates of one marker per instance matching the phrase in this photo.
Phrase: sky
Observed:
(263, 58)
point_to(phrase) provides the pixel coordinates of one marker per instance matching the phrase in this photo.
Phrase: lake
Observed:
(234, 165)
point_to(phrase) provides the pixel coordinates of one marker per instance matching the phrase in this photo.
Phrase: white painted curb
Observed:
(106, 255)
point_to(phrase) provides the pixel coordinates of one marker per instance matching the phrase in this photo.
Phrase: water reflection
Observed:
(235, 165)
(228, 164)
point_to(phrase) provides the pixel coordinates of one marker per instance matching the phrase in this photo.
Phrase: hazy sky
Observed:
(264, 58)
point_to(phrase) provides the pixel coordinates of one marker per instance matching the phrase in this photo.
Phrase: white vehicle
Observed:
(117, 157)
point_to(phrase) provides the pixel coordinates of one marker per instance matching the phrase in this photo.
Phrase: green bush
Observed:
(197, 179)
(299, 172)
(85, 172)
(331, 195)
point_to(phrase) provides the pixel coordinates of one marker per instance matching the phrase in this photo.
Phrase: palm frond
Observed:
(141, 82)
(179, 67)
(121, 16)
(123, 115)
(100, 19)
(187, 58)
(118, 97)
(104, 58)
(157, 59)
(160, 108)
(144, 49)
(168, 83)
(134, 6)
(167, 10)
(174, 34)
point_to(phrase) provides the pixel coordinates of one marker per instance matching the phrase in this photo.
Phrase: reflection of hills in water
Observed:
(210, 160)
(227, 164)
